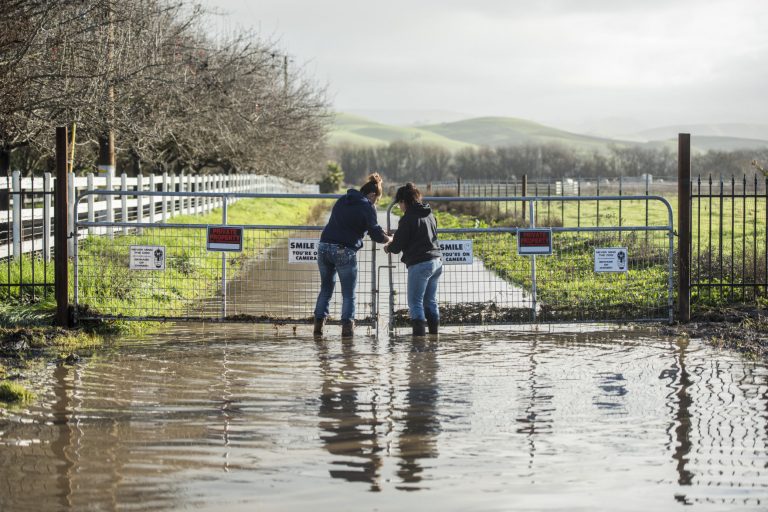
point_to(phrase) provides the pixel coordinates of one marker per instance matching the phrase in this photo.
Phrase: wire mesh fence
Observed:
(485, 280)
(496, 285)
(182, 279)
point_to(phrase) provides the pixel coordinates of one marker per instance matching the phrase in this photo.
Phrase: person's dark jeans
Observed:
(335, 259)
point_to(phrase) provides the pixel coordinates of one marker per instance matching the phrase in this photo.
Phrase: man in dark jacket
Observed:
(352, 216)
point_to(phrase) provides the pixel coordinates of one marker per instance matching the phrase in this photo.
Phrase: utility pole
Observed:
(107, 138)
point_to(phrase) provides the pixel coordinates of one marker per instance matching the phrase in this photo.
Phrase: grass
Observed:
(15, 393)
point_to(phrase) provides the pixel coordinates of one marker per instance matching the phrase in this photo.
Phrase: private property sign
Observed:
(225, 238)
(534, 241)
(302, 250)
(456, 252)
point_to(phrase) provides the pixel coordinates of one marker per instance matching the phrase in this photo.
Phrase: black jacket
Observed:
(416, 236)
(352, 216)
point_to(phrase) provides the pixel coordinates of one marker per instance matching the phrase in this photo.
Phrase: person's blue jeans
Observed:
(422, 289)
(335, 259)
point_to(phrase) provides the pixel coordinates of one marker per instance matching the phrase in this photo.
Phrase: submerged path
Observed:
(212, 417)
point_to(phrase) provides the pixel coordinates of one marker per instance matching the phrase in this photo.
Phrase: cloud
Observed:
(655, 60)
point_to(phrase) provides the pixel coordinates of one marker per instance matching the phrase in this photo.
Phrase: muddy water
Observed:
(236, 418)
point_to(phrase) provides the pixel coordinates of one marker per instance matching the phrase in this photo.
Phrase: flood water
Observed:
(243, 418)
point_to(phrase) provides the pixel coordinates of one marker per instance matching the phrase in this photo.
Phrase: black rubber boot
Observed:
(432, 325)
(347, 329)
(419, 327)
(319, 323)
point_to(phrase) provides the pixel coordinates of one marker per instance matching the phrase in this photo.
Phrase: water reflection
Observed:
(363, 409)
(417, 439)
(228, 421)
(348, 417)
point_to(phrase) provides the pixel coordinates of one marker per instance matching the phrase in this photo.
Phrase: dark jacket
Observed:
(416, 236)
(352, 216)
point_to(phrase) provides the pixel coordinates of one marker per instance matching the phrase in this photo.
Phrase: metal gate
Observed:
(115, 276)
(496, 285)
(264, 283)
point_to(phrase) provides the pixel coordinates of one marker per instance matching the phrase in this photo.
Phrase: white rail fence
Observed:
(27, 226)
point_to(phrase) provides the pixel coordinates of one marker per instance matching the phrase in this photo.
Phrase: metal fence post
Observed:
(61, 264)
(139, 202)
(684, 226)
(47, 216)
(91, 212)
(110, 210)
(16, 222)
(524, 193)
(71, 215)
(164, 202)
(152, 188)
(224, 263)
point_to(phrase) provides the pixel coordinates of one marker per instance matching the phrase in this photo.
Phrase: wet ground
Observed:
(238, 418)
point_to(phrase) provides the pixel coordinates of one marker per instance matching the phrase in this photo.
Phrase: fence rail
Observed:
(26, 225)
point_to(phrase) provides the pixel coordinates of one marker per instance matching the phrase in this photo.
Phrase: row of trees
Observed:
(145, 76)
(402, 161)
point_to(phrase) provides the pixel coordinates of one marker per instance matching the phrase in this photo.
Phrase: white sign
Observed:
(456, 252)
(611, 259)
(147, 257)
(302, 250)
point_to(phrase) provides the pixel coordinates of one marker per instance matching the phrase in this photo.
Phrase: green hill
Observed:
(508, 131)
(359, 130)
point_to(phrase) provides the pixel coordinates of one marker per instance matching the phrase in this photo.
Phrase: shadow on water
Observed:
(236, 418)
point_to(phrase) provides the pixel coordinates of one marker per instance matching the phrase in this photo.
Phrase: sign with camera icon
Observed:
(147, 257)
(611, 259)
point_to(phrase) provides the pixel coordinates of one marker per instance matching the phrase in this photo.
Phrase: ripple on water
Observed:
(208, 418)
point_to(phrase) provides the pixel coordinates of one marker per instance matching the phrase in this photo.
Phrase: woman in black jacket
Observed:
(416, 237)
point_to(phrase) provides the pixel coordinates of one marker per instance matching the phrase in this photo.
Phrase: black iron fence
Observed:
(729, 216)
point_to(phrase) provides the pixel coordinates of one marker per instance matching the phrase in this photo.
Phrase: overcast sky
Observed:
(567, 63)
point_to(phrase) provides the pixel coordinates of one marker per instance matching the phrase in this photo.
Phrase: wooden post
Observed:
(60, 234)
(458, 186)
(684, 226)
(525, 191)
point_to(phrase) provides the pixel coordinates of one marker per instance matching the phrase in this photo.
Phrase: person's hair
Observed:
(409, 194)
(372, 185)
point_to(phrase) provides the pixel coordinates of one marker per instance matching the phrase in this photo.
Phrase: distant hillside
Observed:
(359, 130)
(508, 131)
(749, 132)
(702, 144)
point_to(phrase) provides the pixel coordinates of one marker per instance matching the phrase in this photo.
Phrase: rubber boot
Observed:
(419, 327)
(319, 323)
(347, 328)
(432, 325)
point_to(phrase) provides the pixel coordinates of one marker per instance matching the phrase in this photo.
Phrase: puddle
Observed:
(236, 418)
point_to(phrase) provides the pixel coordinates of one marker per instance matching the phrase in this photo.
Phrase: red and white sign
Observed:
(225, 238)
(534, 241)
